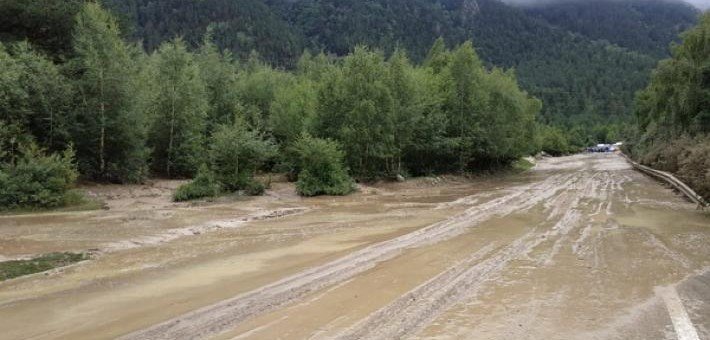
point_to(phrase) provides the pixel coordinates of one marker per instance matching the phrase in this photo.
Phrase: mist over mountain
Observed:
(700, 4)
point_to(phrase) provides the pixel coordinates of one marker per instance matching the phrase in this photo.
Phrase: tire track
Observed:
(413, 311)
(227, 314)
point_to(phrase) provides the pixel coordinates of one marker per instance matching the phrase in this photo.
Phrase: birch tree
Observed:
(110, 132)
(179, 112)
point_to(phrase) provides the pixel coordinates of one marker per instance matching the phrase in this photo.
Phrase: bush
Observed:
(236, 153)
(554, 141)
(254, 188)
(204, 185)
(37, 180)
(322, 169)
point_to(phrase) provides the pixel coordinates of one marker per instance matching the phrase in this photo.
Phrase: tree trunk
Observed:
(51, 127)
(172, 133)
(102, 134)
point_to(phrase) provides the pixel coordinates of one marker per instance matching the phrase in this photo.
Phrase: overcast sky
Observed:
(703, 4)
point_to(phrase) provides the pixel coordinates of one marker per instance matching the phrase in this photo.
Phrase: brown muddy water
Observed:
(580, 247)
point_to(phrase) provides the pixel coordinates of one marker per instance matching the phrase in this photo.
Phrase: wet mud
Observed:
(580, 247)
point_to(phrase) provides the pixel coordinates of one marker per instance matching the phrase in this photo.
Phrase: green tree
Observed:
(673, 112)
(203, 185)
(219, 71)
(37, 179)
(465, 100)
(109, 133)
(48, 105)
(179, 112)
(236, 153)
(406, 112)
(356, 108)
(322, 171)
(293, 110)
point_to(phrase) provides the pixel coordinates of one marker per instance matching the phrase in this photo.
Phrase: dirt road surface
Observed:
(580, 247)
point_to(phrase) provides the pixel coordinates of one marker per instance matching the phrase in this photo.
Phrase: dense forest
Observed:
(586, 76)
(673, 112)
(644, 26)
(108, 111)
(218, 91)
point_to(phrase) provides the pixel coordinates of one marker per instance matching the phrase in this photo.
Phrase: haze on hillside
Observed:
(701, 4)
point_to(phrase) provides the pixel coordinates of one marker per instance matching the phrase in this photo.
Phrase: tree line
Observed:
(114, 113)
(585, 76)
(673, 112)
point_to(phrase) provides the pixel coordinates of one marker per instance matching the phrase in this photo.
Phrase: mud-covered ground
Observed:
(580, 247)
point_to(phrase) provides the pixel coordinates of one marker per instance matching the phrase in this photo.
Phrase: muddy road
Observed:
(580, 247)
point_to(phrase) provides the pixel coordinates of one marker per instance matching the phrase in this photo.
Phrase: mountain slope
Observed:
(574, 69)
(239, 25)
(646, 26)
(571, 73)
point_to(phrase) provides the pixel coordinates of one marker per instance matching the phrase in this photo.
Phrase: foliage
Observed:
(110, 129)
(322, 169)
(293, 110)
(46, 24)
(673, 112)
(554, 141)
(236, 153)
(584, 60)
(219, 72)
(649, 26)
(17, 268)
(179, 112)
(203, 185)
(241, 26)
(374, 98)
(37, 180)
(356, 108)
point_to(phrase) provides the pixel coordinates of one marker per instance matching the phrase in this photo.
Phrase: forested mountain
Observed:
(585, 61)
(645, 26)
(582, 74)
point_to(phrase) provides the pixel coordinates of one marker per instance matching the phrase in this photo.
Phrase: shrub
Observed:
(255, 188)
(322, 169)
(203, 185)
(554, 141)
(236, 153)
(37, 180)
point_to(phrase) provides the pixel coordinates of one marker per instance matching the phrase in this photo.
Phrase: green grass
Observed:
(75, 200)
(17, 268)
(522, 165)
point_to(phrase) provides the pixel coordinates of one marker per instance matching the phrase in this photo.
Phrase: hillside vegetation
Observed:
(118, 114)
(586, 79)
(221, 90)
(584, 61)
(673, 112)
